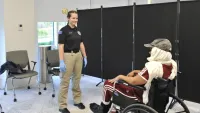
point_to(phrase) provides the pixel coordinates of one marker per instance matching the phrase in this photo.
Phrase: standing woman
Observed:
(71, 61)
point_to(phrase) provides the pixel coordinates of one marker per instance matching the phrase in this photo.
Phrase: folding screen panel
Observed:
(90, 26)
(188, 81)
(117, 41)
(151, 22)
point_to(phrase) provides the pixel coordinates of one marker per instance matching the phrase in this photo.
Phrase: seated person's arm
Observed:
(140, 79)
(136, 80)
(132, 73)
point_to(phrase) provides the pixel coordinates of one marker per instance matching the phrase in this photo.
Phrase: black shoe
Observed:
(65, 110)
(95, 108)
(80, 106)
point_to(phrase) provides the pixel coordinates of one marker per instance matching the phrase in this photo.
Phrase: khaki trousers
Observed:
(74, 62)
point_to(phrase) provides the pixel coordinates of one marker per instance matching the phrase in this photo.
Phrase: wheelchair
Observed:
(161, 100)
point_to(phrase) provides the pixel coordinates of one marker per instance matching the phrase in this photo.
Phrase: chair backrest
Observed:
(18, 57)
(53, 58)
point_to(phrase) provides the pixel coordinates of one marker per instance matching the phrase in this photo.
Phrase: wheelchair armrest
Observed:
(134, 86)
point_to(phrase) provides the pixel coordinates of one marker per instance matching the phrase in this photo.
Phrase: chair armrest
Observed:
(34, 63)
(48, 64)
(134, 86)
(56, 68)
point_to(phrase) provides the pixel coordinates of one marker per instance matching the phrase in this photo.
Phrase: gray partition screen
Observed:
(151, 22)
(189, 80)
(117, 41)
(90, 26)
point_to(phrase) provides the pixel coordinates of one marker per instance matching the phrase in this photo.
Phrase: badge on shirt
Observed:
(70, 33)
(79, 32)
(60, 32)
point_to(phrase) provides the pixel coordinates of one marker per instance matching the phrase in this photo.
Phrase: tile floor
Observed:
(30, 102)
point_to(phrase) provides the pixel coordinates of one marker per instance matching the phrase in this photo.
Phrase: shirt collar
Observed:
(75, 28)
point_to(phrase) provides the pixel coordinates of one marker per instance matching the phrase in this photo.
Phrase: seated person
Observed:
(160, 64)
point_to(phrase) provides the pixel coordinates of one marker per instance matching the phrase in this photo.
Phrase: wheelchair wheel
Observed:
(138, 108)
(176, 105)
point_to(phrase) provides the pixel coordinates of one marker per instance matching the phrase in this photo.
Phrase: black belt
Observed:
(71, 51)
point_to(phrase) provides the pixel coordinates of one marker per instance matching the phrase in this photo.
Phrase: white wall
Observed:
(20, 12)
(108, 3)
(165, 1)
(2, 41)
(140, 2)
(50, 10)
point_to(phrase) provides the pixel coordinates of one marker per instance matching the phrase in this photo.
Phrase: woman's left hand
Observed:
(115, 79)
(85, 61)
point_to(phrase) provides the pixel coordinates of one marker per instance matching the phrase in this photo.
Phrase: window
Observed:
(61, 24)
(57, 27)
(45, 33)
(48, 33)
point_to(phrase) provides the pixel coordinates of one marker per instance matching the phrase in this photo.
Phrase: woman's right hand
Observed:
(62, 66)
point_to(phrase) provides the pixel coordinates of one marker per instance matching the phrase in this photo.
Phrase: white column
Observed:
(2, 42)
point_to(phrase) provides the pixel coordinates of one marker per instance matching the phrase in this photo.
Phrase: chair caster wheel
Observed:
(53, 95)
(15, 100)
(5, 93)
(39, 93)
(29, 87)
(45, 88)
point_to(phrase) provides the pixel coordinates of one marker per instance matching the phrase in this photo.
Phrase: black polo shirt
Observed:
(71, 38)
